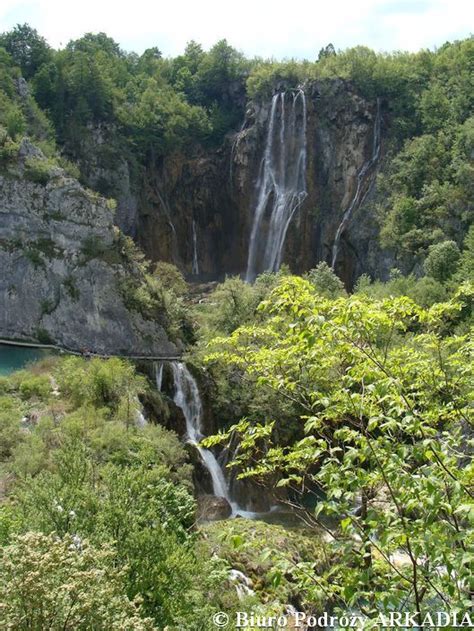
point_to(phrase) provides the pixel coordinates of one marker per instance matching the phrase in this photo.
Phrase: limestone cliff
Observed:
(64, 272)
(197, 210)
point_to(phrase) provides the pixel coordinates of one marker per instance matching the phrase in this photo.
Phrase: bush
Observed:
(39, 170)
(101, 383)
(323, 278)
(15, 122)
(171, 278)
(10, 431)
(38, 387)
(442, 260)
(63, 584)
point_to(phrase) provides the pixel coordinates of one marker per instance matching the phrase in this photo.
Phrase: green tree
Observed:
(382, 391)
(442, 260)
(28, 49)
(323, 278)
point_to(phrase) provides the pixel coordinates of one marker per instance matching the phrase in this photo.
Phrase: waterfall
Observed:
(242, 583)
(174, 236)
(158, 375)
(235, 144)
(195, 251)
(361, 177)
(140, 419)
(281, 186)
(187, 398)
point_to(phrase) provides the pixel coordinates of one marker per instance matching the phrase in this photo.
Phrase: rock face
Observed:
(200, 208)
(62, 270)
(212, 508)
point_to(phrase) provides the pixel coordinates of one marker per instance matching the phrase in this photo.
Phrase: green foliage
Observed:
(108, 494)
(46, 582)
(466, 263)
(171, 278)
(10, 431)
(15, 122)
(161, 121)
(266, 75)
(38, 170)
(270, 555)
(442, 260)
(325, 281)
(99, 383)
(425, 291)
(382, 391)
(234, 302)
(27, 48)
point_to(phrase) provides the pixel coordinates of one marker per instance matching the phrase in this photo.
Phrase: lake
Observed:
(16, 357)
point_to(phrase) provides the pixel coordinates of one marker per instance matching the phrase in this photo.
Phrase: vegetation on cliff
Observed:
(153, 106)
(353, 409)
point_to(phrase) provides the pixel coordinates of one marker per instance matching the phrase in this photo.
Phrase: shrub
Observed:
(15, 122)
(171, 278)
(35, 387)
(63, 584)
(38, 170)
(442, 260)
(323, 278)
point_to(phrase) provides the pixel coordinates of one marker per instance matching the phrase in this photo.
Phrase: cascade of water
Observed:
(281, 186)
(235, 144)
(187, 398)
(195, 251)
(174, 236)
(361, 178)
(140, 419)
(242, 583)
(158, 375)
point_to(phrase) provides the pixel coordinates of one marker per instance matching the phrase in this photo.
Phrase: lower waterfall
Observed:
(158, 366)
(187, 398)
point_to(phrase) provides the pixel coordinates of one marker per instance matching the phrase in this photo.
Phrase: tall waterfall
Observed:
(361, 178)
(187, 398)
(195, 267)
(281, 186)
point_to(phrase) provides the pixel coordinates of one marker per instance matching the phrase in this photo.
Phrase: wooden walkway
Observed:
(70, 351)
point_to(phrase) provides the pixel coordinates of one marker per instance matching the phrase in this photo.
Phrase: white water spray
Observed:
(158, 375)
(361, 178)
(281, 186)
(242, 583)
(187, 398)
(140, 419)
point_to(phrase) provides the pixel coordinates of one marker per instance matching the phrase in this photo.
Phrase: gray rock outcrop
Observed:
(213, 508)
(63, 268)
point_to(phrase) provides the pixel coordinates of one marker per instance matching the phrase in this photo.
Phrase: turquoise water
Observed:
(16, 357)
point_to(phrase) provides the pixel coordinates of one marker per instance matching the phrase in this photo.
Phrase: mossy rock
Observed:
(260, 550)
